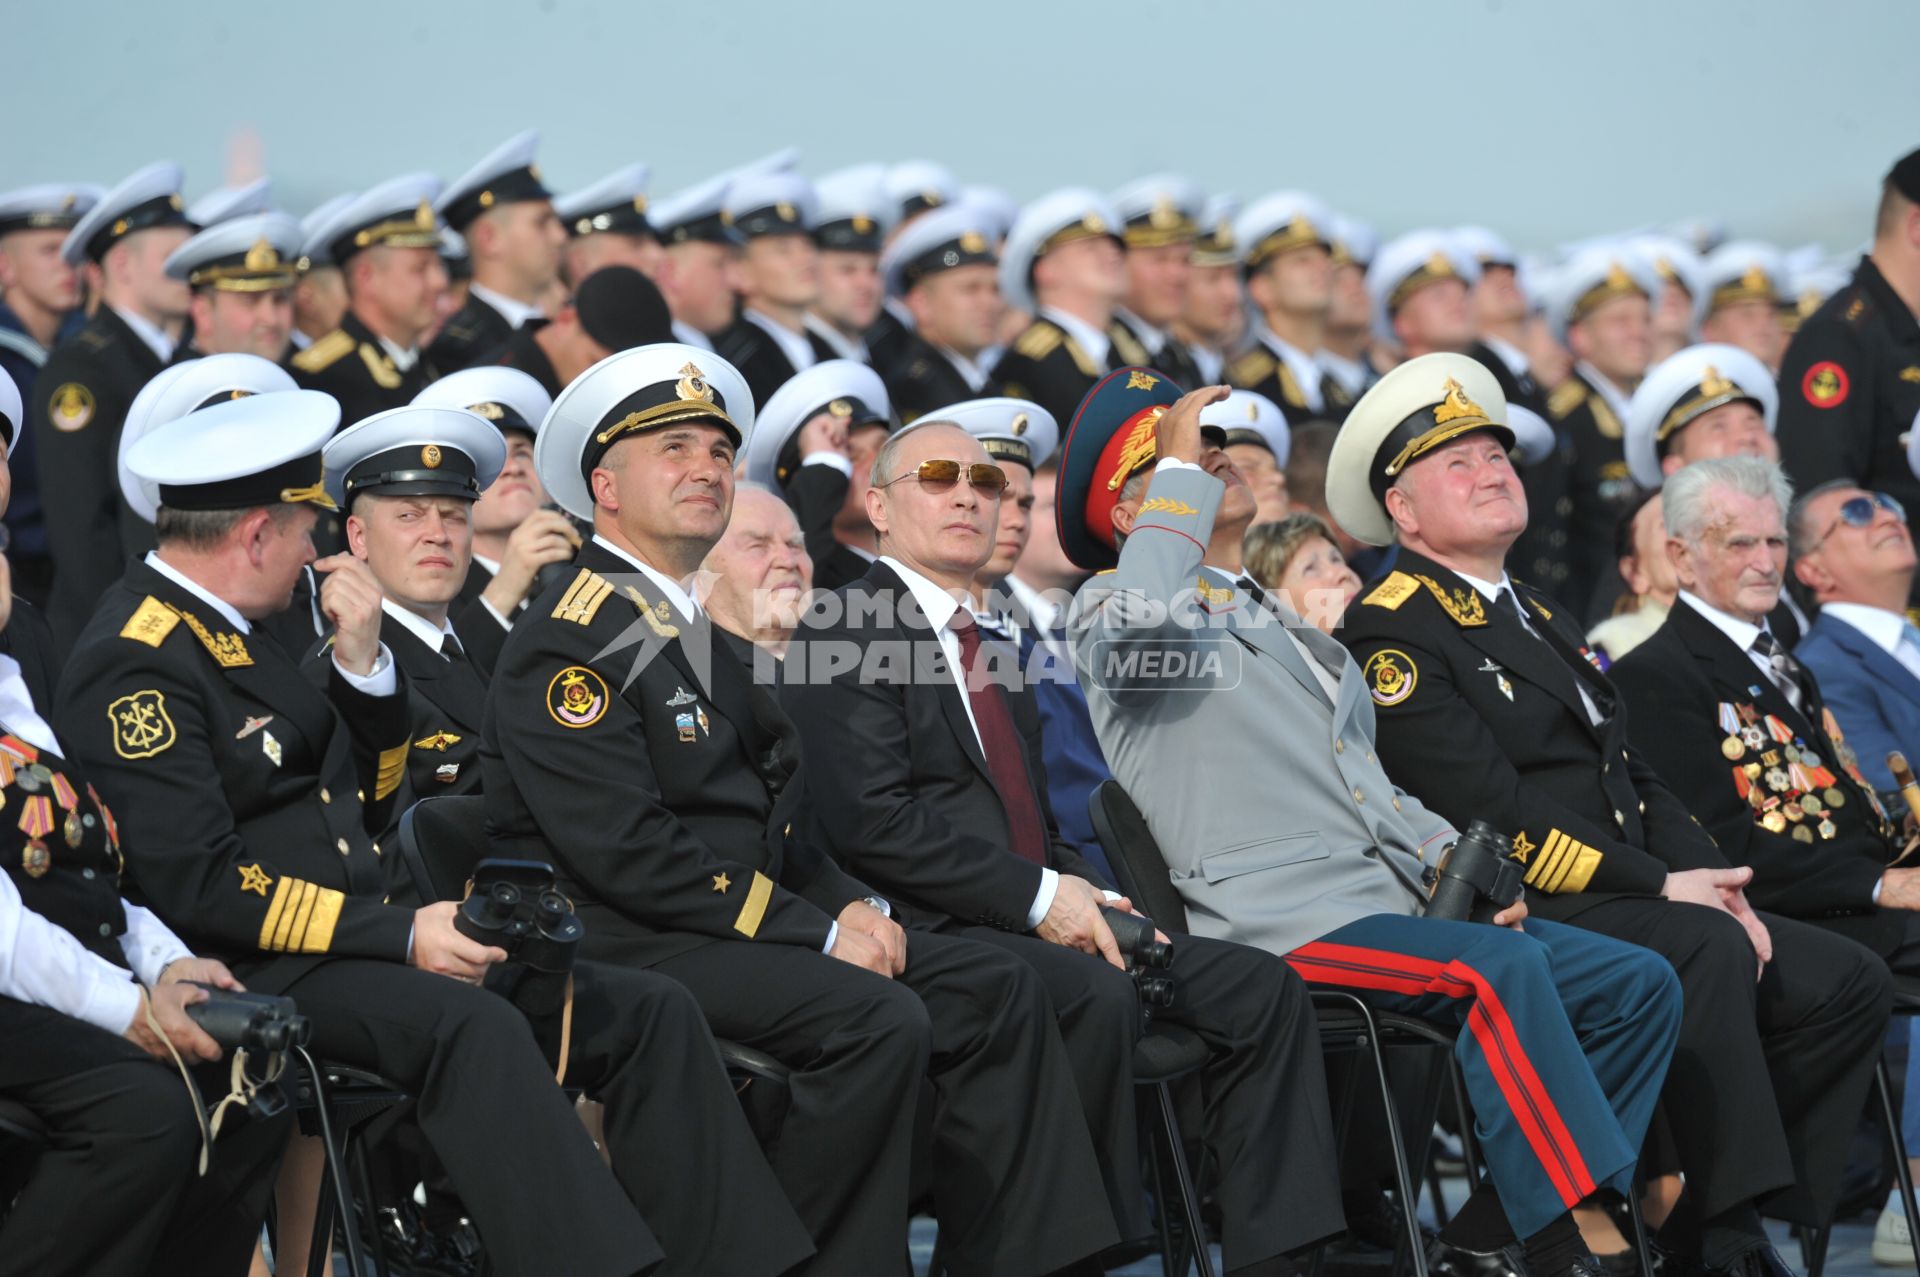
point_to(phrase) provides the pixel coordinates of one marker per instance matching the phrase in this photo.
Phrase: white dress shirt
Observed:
(939, 606)
(45, 965)
(404, 357)
(514, 312)
(1616, 398)
(1741, 632)
(1154, 339)
(17, 710)
(1096, 343)
(381, 682)
(420, 627)
(973, 372)
(842, 345)
(795, 346)
(148, 332)
(688, 335)
(1886, 630)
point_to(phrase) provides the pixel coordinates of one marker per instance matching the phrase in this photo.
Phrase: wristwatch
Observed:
(885, 908)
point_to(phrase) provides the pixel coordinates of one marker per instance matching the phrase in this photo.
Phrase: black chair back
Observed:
(441, 840)
(1135, 856)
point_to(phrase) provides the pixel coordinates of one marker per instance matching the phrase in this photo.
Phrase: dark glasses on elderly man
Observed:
(940, 476)
(1860, 512)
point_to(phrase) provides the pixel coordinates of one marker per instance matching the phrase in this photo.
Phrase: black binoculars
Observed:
(1477, 877)
(515, 905)
(1145, 954)
(250, 1021)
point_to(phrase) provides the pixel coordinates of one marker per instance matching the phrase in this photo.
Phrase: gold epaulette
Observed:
(1127, 346)
(1570, 394)
(1462, 603)
(150, 623)
(1250, 369)
(1040, 340)
(324, 353)
(1392, 592)
(1607, 424)
(380, 368)
(583, 598)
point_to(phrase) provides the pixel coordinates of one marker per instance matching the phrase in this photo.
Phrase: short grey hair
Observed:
(204, 530)
(1132, 490)
(1687, 501)
(1799, 535)
(881, 472)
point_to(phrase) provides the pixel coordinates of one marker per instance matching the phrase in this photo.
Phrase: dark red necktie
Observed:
(1000, 741)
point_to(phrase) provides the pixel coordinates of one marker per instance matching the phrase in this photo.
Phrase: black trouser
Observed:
(518, 1156)
(1016, 1184)
(114, 1193)
(1264, 1092)
(1769, 1078)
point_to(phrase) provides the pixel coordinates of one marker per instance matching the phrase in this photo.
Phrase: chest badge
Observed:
(447, 773)
(1490, 666)
(681, 696)
(684, 725)
(270, 747)
(251, 726)
(36, 859)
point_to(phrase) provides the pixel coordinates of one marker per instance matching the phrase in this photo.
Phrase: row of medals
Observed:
(1792, 811)
(31, 778)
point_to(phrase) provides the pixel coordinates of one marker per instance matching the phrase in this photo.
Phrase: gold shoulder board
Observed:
(150, 623)
(583, 598)
(1392, 592)
(380, 368)
(1570, 395)
(1039, 341)
(323, 354)
(1463, 603)
(1250, 369)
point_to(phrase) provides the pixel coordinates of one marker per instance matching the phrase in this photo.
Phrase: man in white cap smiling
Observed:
(82, 394)
(617, 706)
(242, 274)
(776, 272)
(515, 243)
(1286, 252)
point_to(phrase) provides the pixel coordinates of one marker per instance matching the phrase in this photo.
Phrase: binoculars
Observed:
(1477, 877)
(1145, 954)
(515, 905)
(250, 1021)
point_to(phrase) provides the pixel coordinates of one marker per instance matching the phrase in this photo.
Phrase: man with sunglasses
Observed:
(625, 743)
(939, 798)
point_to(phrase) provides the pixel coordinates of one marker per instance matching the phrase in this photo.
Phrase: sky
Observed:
(1548, 121)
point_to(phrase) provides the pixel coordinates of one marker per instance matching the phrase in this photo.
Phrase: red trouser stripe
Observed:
(1533, 1108)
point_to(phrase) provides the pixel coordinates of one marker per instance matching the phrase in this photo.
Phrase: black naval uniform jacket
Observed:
(1262, 371)
(238, 783)
(752, 350)
(1483, 721)
(1599, 487)
(1047, 365)
(1849, 389)
(521, 351)
(887, 340)
(480, 631)
(474, 335)
(80, 401)
(914, 809)
(816, 492)
(350, 364)
(665, 799)
(924, 379)
(1174, 360)
(1676, 683)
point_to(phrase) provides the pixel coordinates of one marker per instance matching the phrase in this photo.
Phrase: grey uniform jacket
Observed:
(1276, 818)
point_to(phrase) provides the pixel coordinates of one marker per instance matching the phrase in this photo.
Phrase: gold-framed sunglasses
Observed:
(939, 476)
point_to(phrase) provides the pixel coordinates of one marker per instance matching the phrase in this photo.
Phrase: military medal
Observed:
(1835, 798)
(27, 781)
(1802, 834)
(1828, 829)
(1809, 759)
(1733, 748)
(1774, 822)
(1753, 736)
(1810, 805)
(72, 830)
(36, 860)
(683, 723)
(1792, 812)
(447, 773)
(1777, 780)
(36, 816)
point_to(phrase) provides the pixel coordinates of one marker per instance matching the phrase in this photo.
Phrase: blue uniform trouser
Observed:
(1564, 1040)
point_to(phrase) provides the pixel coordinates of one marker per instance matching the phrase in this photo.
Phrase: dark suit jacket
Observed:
(663, 788)
(1874, 697)
(474, 335)
(1173, 359)
(479, 632)
(1589, 814)
(1675, 683)
(907, 802)
(80, 401)
(1045, 364)
(1599, 490)
(237, 783)
(523, 352)
(350, 364)
(923, 379)
(749, 348)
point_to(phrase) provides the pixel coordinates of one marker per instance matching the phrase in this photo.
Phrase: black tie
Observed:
(1781, 668)
(451, 649)
(1509, 602)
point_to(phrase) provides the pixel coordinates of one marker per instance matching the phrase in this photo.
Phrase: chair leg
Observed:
(1903, 1174)
(1402, 1180)
(1642, 1251)
(336, 1174)
(1189, 1196)
(1163, 1209)
(1817, 1241)
(363, 1188)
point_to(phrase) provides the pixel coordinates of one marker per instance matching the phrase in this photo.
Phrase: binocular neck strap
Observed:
(241, 1088)
(566, 1033)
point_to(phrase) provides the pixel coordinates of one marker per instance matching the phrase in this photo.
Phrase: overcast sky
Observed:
(1545, 119)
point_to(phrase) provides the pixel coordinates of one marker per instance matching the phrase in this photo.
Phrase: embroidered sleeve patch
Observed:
(577, 697)
(141, 727)
(1391, 676)
(1392, 592)
(71, 407)
(1165, 505)
(1826, 385)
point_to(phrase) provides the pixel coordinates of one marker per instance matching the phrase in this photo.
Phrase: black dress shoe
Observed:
(1623, 1264)
(1761, 1261)
(1444, 1260)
